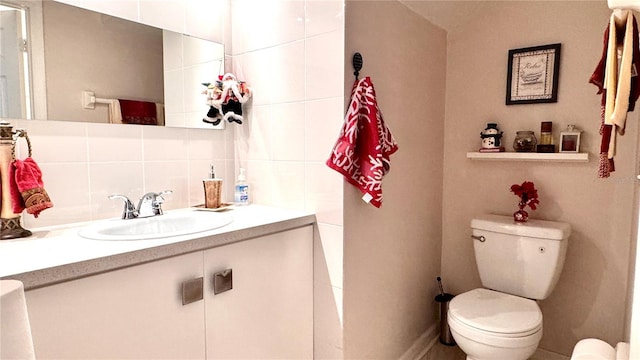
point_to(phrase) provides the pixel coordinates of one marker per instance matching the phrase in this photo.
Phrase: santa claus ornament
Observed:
(225, 98)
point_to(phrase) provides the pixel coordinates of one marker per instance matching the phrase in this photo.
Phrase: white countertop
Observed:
(56, 254)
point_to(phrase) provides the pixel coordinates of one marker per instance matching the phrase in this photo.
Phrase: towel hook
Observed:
(18, 134)
(357, 64)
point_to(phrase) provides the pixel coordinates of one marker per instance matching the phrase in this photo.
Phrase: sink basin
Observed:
(161, 226)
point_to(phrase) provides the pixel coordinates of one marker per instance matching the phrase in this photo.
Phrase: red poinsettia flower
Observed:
(527, 193)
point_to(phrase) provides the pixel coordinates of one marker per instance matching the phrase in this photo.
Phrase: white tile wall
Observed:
(323, 121)
(201, 18)
(210, 12)
(68, 186)
(287, 189)
(255, 67)
(323, 194)
(287, 68)
(106, 178)
(324, 16)
(165, 14)
(170, 175)
(286, 129)
(106, 142)
(251, 139)
(69, 142)
(261, 179)
(127, 9)
(333, 251)
(261, 24)
(324, 54)
(292, 56)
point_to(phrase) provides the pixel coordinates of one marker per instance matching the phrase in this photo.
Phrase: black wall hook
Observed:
(357, 64)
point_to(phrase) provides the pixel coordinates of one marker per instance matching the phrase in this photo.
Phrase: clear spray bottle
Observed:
(241, 192)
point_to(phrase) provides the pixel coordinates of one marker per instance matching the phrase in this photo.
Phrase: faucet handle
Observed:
(150, 203)
(159, 200)
(129, 211)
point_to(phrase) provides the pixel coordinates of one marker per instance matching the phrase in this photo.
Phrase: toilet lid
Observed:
(496, 312)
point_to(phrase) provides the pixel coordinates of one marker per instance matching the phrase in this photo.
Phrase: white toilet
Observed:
(518, 264)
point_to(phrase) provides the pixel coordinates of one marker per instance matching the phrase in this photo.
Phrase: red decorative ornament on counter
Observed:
(528, 197)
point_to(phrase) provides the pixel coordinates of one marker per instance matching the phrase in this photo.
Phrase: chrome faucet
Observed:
(129, 211)
(150, 205)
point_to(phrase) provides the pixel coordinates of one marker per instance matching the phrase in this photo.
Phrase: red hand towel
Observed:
(138, 112)
(363, 148)
(27, 189)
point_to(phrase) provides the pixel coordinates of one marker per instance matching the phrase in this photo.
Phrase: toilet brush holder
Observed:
(443, 300)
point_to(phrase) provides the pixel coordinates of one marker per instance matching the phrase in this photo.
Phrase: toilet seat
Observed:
(496, 318)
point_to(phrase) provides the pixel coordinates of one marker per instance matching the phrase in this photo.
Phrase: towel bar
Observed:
(89, 100)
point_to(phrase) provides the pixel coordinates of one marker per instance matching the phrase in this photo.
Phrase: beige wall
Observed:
(86, 51)
(392, 254)
(590, 298)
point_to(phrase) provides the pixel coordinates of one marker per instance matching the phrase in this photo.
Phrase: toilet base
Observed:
(478, 351)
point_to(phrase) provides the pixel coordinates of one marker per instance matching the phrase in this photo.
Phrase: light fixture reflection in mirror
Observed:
(116, 58)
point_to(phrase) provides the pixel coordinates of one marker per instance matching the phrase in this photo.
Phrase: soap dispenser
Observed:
(212, 190)
(241, 193)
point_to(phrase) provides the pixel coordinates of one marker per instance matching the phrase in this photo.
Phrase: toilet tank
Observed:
(523, 259)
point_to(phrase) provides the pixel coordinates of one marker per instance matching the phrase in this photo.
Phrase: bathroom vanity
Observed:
(155, 298)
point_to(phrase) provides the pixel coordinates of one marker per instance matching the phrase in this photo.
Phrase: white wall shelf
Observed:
(522, 156)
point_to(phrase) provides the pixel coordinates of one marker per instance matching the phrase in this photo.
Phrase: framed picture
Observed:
(570, 141)
(533, 75)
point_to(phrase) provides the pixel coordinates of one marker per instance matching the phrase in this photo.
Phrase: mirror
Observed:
(72, 64)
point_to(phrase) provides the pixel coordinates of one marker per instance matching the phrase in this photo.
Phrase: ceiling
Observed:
(447, 14)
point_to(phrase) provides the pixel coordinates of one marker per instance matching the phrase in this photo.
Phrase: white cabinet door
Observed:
(132, 313)
(268, 314)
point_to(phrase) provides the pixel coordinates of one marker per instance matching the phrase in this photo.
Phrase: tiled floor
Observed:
(444, 352)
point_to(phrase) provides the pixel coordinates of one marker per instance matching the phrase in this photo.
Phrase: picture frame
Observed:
(532, 74)
(570, 141)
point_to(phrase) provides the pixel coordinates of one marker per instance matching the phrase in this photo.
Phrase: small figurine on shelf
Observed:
(491, 139)
(570, 139)
(225, 98)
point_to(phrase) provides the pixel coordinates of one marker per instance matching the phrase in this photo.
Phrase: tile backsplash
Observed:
(83, 163)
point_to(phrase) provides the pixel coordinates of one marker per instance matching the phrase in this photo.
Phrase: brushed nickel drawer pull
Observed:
(192, 290)
(222, 281)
